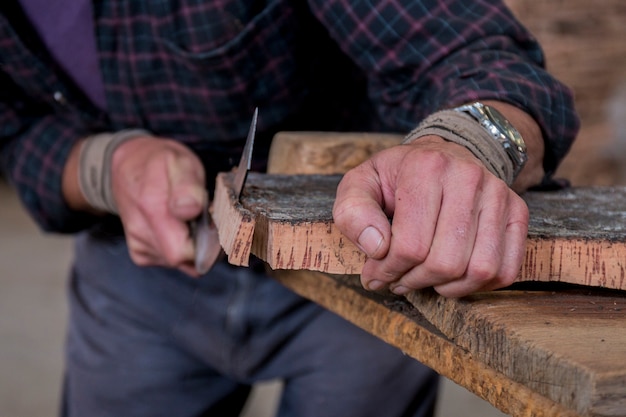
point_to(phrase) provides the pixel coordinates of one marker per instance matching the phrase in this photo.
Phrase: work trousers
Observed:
(154, 342)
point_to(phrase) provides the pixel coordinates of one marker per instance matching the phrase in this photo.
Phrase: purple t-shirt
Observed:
(67, 29)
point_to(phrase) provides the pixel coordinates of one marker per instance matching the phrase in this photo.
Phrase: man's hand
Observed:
(159, 186)
(455, 226)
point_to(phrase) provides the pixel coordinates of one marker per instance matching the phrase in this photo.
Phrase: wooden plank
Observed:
(324, 153)
(236, 225)
(295, 153)
(395, 321)
(576, 235)
(293, 228)
(568, 344)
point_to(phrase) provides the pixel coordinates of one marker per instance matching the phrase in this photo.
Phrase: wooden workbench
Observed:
(535, 349)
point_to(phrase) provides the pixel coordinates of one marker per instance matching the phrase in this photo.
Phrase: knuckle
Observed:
(473, 174)
(342, 211)
(483, 273)
(449, 269)
(411, 254)
(519, 209)
(446, 263)
(507, 280)
(510, 272)
(432, 161)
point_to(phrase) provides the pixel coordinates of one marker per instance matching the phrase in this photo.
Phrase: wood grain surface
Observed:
(396, 321)
(567, 344)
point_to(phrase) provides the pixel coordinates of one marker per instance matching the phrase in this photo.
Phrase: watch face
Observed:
(500, 129)
(505, 126)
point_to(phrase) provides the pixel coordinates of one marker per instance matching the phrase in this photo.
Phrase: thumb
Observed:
(358, 214)
(188, 194)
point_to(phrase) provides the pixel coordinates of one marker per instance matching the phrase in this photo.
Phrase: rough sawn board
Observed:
(576, 235)
(568, 345)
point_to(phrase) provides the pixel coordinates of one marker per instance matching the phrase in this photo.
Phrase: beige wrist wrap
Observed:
(94, 167)
(464, 130)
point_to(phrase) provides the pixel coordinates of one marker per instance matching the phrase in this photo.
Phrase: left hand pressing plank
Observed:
(454, 225)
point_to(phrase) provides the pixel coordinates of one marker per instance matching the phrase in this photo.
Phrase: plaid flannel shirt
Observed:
(193, 70)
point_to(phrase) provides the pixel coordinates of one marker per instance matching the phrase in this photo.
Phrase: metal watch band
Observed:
(501, 130)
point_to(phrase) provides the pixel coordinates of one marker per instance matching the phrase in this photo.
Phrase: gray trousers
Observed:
(152, 342)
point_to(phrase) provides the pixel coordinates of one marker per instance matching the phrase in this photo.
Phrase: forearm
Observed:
(488, 55)
(34, 157)
(539, 106)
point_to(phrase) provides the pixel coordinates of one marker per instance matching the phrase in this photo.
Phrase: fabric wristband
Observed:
(463, 129)
(94, 167)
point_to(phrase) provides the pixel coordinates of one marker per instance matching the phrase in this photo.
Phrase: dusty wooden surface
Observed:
(576, 235)
(397, 322)
(565, 343)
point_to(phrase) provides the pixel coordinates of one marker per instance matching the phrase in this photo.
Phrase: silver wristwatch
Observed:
(501, 130)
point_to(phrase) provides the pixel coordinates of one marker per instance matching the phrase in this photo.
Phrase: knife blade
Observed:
(246, 157)
(203, 229)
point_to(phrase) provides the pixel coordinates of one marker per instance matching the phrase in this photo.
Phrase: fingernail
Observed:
(399, 290)
(370, 240)
(375, 285)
